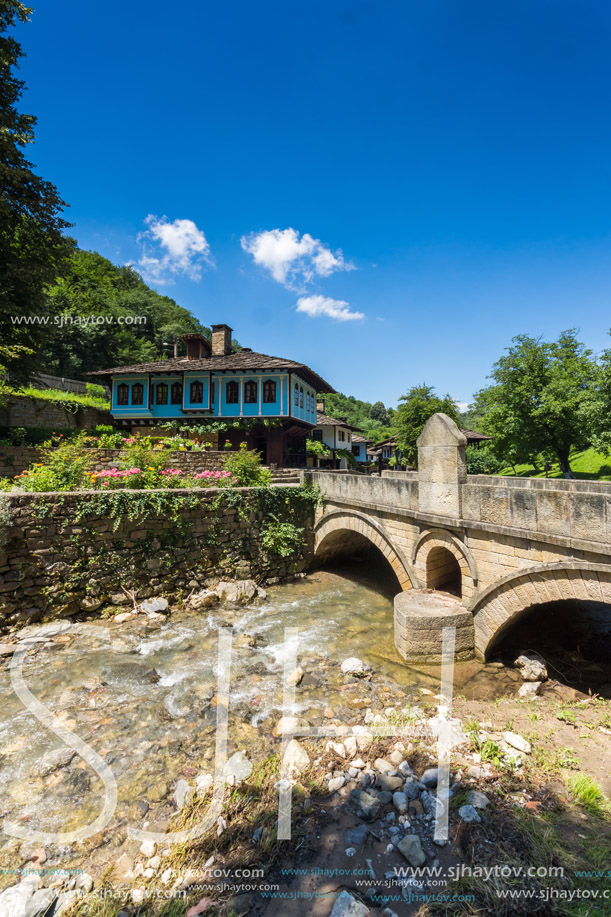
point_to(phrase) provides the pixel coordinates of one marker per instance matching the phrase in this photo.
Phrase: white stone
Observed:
(532, 666)
(337, 747)
(530, 689)
(26, 899)
(204, 599)
(286, 725)
(335, 784)
(350, 746)
(347, 906)
(517, 741)
(237, 769)
(148, 849)
(124, 616)
(239, 593)
(358, 763)
(182, 794)
(382, 766)
(477, 799)
(296, 759)
(354, 666)
(203, 783)
(294, 678)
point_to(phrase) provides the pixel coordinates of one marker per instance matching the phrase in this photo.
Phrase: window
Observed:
(341, 436)
(176, 395)
(356, 450)
(137, 393)
(212, 392)
(196, 392)
(296, 395)
(162, 393)
(317, 435)
(301, 397)
(308, 402)
(269, 392)
(123, 393)
(232, 394)
(251, 393)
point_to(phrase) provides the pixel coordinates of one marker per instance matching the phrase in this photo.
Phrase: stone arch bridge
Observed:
(474, 551)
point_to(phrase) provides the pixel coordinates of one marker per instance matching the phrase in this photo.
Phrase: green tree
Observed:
(542, 401)
(420, 403)
(32, 244)
(95, 305)
(379, 413)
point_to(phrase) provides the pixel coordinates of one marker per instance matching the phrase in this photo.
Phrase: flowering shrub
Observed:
(215, 478)
(245, 466)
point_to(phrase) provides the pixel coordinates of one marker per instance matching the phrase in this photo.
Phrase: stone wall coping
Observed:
(33, 497)
(562, 484)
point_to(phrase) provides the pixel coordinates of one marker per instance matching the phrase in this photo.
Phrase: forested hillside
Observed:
(101, 315)
(373, 419)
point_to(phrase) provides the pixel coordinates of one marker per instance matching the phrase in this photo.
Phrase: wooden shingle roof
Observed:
(243, 361)
(323, 420)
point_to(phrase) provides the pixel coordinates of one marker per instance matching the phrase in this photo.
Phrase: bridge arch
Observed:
(330, 537)
(500, 606)
(441, 559)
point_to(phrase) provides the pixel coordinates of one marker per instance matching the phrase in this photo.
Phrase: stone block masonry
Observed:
(15, 459)
(26, 411)
(64, 553)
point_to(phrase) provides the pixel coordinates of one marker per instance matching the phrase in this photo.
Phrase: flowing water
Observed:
(145, 699)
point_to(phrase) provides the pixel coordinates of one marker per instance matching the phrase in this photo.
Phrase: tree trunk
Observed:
(563, 461)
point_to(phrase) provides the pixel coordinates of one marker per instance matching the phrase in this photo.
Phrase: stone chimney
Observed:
(320, 407)
(221, 340)
(198, 347)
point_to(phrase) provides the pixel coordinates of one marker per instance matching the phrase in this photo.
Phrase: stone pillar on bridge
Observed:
(442, 467)
(422, 614)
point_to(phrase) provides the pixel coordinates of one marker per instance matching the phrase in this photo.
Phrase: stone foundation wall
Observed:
(15, 459)
(61, 553)
(25, 411)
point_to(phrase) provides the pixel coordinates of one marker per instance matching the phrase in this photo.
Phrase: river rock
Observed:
(530, 689)
(294, 678)
(26, 899)
(123, 869)
(382, 766)
(286, 725)
(517, 741)
(65, 901)
(412, 788)
(157, 605)
(335, 784)
(430, 776)
(356, 835)
(53, 761)
(123, 617)
(84, 883)
(182, 794)
(411, 848)
(469, 814)
(399, 801)
(239, 593)
(354, 666)
(366, 805)
(119, 598)
(346, 905)
(337, 747)
(388, 783)
(237, 769)
(89, 603)
(148, 849)
(204, 599)
(532, 666)
(296, 759)
(477, 799)
(203, 783)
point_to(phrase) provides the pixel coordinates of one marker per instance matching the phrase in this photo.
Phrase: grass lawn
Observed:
(52, 394)
(587, 465)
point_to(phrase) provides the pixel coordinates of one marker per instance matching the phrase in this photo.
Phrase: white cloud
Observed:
(291, 259)
(323, 305)
(171, 249)
(462, 406)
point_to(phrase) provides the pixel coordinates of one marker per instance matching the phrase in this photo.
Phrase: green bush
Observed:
(281, 538)
(245, 466)
(65, 468)
(481, 460)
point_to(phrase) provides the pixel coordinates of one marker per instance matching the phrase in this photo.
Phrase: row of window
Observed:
(310, 400)
(160, 392)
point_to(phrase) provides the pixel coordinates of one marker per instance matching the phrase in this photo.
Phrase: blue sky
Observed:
(441, 168)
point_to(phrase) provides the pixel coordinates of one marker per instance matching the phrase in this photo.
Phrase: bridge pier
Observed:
(421, 615)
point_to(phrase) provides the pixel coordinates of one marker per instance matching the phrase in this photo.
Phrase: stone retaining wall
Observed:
(15, 459)
(63, 553)
(26, 411)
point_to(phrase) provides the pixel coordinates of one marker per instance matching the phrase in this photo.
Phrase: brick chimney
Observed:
(221, 340)
(198, 347)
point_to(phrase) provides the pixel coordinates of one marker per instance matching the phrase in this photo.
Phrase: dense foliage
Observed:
(373, 419)
(107, 316)
(32, 244)
(544, 400)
